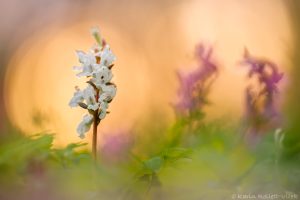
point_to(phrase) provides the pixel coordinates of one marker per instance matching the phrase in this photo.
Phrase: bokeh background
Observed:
(145, 150)
(152, 39)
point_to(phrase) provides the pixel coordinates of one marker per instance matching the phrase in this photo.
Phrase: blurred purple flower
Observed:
(195, 86)
(116, 146)
(261, 112)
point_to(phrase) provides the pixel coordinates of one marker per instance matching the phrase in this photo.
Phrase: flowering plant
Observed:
(261, 113)
(96, 65)
(194, 87)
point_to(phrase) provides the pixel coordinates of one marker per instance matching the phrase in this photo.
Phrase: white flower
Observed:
(86, 58)
(107, 56)
(77, 98)
(103, 110)
(84, 125)
(88, 61)
(108, 92)
(89, 95)
(101, 75)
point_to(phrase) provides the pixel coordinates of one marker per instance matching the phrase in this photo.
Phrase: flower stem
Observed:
(95, 125)
(94, 147)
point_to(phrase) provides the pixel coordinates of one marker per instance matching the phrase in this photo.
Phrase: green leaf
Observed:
(154, 164)
(176, 153)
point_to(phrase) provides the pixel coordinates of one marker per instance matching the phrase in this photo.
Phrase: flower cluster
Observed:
(195, 86)
(260, 106)
(96, 66)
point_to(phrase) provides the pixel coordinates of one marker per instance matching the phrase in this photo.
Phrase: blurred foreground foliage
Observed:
(203, 161)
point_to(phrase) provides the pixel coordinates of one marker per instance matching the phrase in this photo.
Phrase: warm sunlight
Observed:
(149, 100)
(39, 80)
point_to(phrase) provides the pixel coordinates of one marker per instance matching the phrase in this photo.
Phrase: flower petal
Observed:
(84, 125)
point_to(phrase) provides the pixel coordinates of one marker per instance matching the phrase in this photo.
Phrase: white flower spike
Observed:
(96, 65)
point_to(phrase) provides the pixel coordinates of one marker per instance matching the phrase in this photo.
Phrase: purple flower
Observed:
(266, 71)
(261, 112)
(194, 86)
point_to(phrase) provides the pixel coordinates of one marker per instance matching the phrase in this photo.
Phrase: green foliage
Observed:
(68, 155)
(196, 159)
(21, 149)
(154, 164)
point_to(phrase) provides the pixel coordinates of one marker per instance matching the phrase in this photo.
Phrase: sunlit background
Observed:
(153, 144)
(151, 39)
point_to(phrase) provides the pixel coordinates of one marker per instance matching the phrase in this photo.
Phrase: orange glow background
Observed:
(151, 39)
